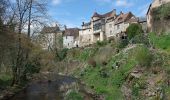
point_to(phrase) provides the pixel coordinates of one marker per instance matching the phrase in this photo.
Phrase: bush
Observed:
(92, 62)
(143, 56)
(122, 44)
(141, 38)
(87, 53)
(61, 54)
(133, 30)
(102, 43)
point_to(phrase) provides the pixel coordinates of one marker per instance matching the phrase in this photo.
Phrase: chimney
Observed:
(82, 23)
(114, 11)
(121, 13)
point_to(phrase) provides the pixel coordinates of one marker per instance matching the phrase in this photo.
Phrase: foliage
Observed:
(5, 80)
(61, 54)
(122, 43)
(106, 80)
(133, 30)
(161, 42)
(143, 56)
(73, 95)
(102, 56)
(141, 39)
(87, 53)
(101, 43)
(161, 12)
(92, 62)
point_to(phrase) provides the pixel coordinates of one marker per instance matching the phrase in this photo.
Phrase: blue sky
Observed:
(73, 12)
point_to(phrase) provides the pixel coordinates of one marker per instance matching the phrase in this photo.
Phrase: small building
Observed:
(71, 38)
(85, 34)
(51, 37)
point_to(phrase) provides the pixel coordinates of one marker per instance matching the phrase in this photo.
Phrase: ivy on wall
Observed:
(162, 12)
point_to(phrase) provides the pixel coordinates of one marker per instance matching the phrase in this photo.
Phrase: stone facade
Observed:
(71, 38)
(155, 4)
(105, 26)
(50, 38)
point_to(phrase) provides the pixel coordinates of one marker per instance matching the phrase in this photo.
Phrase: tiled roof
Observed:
(71, 32)
(50, 29)
(125, 18)
(109, 14)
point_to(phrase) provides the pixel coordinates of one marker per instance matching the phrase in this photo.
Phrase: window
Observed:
(118, 26)
(110, 32)
(66, 37)
(97, 26)
(110, 25)
(68, 44)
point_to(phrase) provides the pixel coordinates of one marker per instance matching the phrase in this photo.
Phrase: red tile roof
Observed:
(125, 18)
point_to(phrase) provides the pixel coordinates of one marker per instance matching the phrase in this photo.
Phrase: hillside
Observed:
(138, 71)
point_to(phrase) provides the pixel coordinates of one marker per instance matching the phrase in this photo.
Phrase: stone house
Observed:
(154, 4)
(71, 38)
(122, 22)
(51, 37)
(105, 26)
(95, 30)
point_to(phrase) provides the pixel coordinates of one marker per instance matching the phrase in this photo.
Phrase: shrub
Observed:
(61, 54)
(101, 43)
(141, 38)
(133, 30)
(87, 53)
(143, 56)
(122, 44)
(92, 62)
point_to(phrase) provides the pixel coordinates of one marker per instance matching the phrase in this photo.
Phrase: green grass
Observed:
(161, 42)
(73, 95)
(81, 54)
(111, 85)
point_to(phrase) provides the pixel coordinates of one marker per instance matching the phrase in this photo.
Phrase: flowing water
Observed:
(44, 90)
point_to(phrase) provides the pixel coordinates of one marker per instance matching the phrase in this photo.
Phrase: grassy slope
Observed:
(111, 85)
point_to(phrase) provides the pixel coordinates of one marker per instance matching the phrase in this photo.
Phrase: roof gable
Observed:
(128, 17)
(50, 29)
(71, 32)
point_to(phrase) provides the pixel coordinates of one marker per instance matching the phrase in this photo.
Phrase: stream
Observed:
(44, 89)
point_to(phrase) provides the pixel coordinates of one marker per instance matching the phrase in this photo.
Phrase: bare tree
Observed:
(28, 12)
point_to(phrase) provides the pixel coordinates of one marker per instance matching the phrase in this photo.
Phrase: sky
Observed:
(73, 12)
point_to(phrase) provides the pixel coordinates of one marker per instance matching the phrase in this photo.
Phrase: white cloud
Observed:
(123, 3)
(56, 2)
